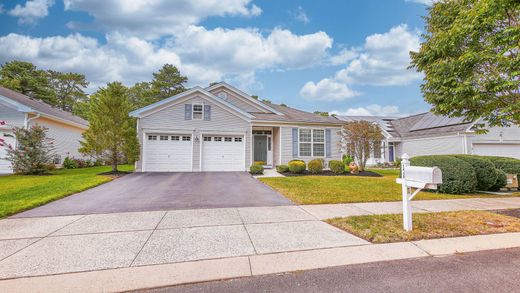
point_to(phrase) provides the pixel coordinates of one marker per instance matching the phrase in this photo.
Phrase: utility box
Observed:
(512, 181)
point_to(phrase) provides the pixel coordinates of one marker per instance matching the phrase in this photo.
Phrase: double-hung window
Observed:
(198, 112)
(311, 142)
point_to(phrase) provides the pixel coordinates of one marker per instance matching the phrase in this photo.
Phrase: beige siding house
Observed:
(430, 134)
(17, 110)
(221, 128)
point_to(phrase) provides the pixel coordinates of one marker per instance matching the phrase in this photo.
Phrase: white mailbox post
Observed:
(418, 178)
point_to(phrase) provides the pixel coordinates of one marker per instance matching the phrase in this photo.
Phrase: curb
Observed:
(133, 278)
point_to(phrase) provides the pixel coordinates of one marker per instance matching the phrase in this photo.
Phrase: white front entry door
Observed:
(168, 153)
(5, 165)
(223, 153)
(497, 149)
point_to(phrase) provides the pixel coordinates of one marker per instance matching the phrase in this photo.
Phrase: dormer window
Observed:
(198, 112)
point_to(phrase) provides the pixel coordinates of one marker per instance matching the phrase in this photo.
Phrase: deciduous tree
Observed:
(470, 58)
(360, 138)
(33, 151)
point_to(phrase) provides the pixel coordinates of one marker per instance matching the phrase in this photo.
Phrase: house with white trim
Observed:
(18, 110)
(430, 134)
(221, 128)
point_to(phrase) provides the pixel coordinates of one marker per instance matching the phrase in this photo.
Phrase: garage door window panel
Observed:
(186, 138)
(152, 137)
(175, 138)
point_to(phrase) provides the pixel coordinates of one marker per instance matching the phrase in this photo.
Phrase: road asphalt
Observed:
(487, 271)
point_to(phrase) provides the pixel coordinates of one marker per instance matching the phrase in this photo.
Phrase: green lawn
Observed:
(335, 189)
(389, 228)
(22, 192)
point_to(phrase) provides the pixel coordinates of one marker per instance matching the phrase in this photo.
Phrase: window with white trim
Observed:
(186, 138)
(152, 137)
(175, 138)
(197, 111)
(311, 142)
(163, 137)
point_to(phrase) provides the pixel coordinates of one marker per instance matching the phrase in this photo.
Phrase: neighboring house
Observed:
(220, 128)
(18, 110)
(430, 134)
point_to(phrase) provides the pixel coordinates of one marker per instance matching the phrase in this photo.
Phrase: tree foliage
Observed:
(33, 151)
(68, 89)
(361, 138)
(25, 78)
(471, 60)
(112, 133)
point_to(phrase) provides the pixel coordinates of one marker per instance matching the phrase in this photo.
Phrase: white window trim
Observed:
(312, 143)
(193, 111)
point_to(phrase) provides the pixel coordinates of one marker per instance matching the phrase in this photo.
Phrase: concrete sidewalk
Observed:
(125, 251)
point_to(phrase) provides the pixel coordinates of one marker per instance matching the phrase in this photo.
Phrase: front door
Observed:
(260, 148)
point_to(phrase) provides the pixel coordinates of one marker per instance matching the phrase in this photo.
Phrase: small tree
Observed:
(361, 138)
(111, 134)
(33, 151)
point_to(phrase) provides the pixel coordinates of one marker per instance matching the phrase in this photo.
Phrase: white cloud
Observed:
(301, 15)
(327, 90)
(382, 61)
(370, 110)
(32, 11)
(425, 2)
(203, 55)
(155, 18)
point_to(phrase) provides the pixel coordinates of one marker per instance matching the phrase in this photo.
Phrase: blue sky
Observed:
(346, 57)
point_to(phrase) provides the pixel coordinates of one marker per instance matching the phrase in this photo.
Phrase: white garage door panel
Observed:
(223, 155)
(501, 150)
(5, 166)
(168, 155)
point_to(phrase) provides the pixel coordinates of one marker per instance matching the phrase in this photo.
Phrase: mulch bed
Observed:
(330, 173)
(513, 212)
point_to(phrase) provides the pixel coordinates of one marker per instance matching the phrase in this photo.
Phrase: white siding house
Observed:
(17, 110)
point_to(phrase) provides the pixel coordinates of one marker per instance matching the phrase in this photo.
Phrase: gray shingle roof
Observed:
(41, 107)
(383, 121)
(294, 115)
(428, 125)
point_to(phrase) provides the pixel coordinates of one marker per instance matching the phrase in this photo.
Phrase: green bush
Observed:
(296, 166)
(337, 167)
(282, 168)
(484, 169)
(256, 169)
(261, 163)
(458, 176)
(316, 166)
(508, 165)
(501, 180)
(69, 163)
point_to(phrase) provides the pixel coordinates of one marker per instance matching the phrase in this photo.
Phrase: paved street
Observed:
(487, 271)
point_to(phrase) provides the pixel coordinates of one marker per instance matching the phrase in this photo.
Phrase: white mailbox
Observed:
(418, 178)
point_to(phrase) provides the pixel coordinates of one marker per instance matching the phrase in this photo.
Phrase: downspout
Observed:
(27, 120)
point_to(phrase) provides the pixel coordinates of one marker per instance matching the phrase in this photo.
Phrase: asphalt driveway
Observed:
(140, 192)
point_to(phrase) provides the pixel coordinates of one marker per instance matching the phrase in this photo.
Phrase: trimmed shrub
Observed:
(296, 166)
(261, 163)
(484, 169)
(282, 168)
(69, 163)
(458, 176)
(256, 169)
(508, 165)
(316, 166)
(501, 180)
(337, 167)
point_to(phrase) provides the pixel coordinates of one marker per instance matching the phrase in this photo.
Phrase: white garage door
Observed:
(223, 153)
(5, 166)
(168, 153)
(497, 149)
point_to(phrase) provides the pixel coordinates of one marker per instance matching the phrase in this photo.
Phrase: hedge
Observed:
(508, 165)
(501, 180)
(282, 168)
(316, 166)
(297, 166)
(458, 176)
(256, 169)
(337, 167)
(484, 169)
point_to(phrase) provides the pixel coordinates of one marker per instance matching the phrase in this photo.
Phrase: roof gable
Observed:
(247, 98)
(168, 102)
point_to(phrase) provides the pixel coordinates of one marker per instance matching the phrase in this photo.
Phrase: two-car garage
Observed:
(186, 152)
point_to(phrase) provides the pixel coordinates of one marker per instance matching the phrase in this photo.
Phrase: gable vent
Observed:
(222, 95)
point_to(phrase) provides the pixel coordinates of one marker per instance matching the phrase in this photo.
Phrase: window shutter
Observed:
(295, 142)
(207, 112)
(328, 144)
(187, 112)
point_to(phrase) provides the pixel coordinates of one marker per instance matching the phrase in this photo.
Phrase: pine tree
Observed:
(112, 133)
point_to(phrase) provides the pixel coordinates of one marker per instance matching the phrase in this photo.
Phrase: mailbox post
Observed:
(418, 178)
